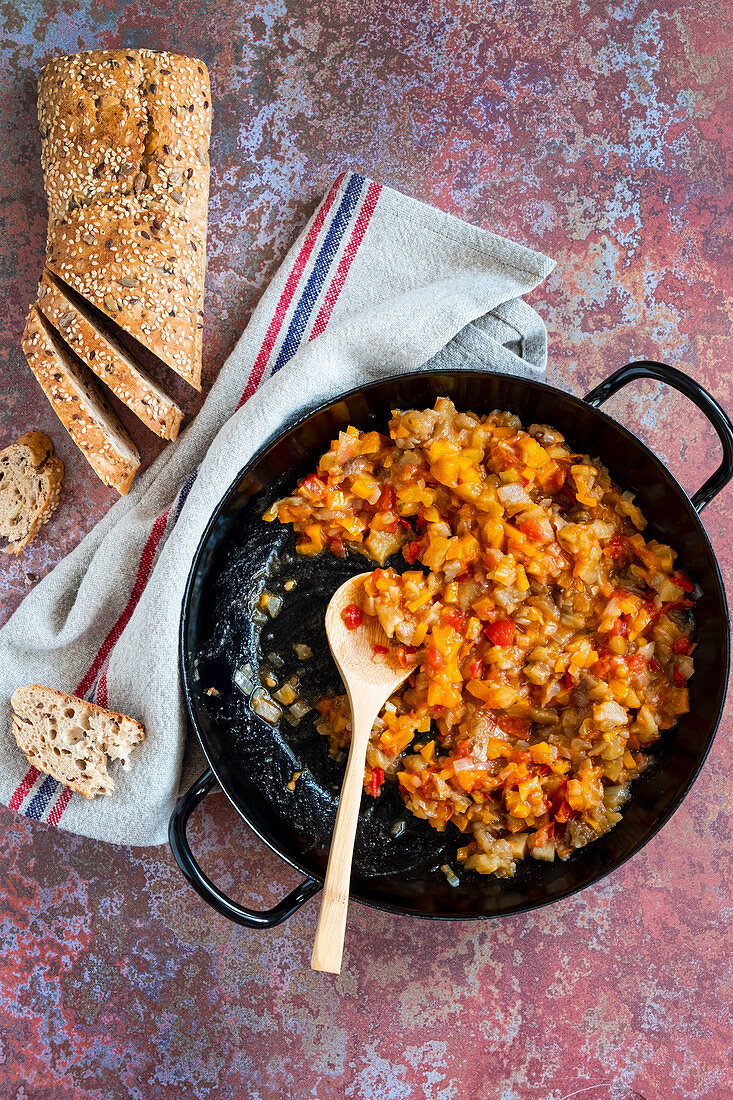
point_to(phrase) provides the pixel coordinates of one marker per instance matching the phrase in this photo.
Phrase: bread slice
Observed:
(71, 739)
(30, 485)
(106, 357)
(125, 140)
(79, 405)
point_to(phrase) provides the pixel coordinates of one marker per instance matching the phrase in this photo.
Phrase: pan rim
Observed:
(356, 391)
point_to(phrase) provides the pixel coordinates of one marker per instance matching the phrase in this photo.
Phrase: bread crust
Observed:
(80, 407)
(108, 360)
(125, 138)
(48, 470)
(70, 738)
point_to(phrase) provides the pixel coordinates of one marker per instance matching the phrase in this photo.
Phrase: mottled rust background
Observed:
(596, 133)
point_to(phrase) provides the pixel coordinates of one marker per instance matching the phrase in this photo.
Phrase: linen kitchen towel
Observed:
(377, 283)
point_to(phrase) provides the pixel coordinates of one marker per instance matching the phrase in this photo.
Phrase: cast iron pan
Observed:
(240, 556)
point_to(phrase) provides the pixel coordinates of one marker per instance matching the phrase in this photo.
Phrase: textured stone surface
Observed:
(596, 133)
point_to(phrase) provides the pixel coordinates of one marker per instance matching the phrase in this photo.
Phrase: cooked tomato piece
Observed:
(532, 529)
(621, 626)
(336, 546)
(435, 658)
(616, 547)
(353, 616)
(411, 552)
(501, 632)
(682, 645)
(387, 499)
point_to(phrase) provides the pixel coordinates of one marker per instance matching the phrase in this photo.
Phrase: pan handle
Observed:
(203, 885)
(646, 368)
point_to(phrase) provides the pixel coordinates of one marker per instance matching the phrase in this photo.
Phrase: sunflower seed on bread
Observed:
(108, 359)
(125, 139)
(71, 739)
(30, 485)
(79, 404)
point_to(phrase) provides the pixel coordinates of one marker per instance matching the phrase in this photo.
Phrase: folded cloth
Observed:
(377, 284)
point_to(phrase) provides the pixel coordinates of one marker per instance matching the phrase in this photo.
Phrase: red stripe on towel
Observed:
(19, 795)
(288, 293)
(143, 572)
(360, 228)
(61, 803)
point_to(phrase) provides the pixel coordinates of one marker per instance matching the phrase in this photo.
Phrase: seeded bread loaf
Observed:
(79, 405)
(125, 138)
(30, 485)
(71, 739)
(108, 359)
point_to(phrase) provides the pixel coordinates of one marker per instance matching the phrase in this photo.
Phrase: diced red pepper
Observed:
(683, 582)
(682, 645)
(411, 552)
(387, 499)
(402, 653)
(377, 781)
(637, 662)
(405, 523)
(455, 618)
(621, 626)
(557, 478)
(435, 658)
(313, 485)
(501, 632)
(616, 547)
(567, 682)
(566, 813)
(533, 531)
(678, 677)
(515, 727)
(559, 794)
(353, 616)
(336, 546)
(667, 607)
(380, 649)
(654, 665)
(421, 523)
(475, 668)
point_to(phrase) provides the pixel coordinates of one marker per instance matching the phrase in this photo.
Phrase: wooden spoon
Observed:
(370, 678)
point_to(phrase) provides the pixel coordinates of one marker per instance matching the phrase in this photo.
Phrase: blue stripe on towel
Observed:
(321, 267)
(41, 799)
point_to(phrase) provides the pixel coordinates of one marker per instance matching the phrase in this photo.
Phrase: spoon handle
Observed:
(328, 945)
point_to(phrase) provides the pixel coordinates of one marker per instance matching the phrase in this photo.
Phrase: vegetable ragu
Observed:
(554, 642)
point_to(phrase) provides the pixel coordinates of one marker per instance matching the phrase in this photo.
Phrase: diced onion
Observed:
(264, 707)
(304, 652)
(452, 877)
(299, 710)
(243, 679)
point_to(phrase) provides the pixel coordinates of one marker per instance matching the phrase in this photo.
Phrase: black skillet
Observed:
(240, 556)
